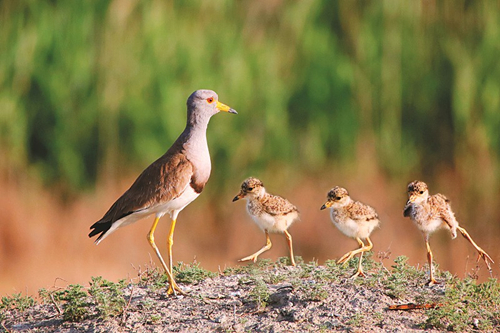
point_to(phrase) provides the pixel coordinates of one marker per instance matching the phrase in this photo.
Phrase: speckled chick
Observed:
(354, 219)
(431, 213)
(272, 213)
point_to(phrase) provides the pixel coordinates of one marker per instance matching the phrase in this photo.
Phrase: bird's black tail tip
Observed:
(99, 228)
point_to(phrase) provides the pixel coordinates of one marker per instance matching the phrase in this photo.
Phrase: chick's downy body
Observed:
(272, 213)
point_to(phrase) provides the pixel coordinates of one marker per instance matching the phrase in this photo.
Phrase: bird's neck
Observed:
(195, 134)
(258, 196)
(194, 142)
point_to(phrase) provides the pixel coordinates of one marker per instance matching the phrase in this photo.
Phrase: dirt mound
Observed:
(263, 297)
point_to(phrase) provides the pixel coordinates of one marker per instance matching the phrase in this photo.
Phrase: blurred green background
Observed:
(93, 91)
(86, 86)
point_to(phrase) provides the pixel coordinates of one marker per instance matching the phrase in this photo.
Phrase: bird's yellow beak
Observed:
(327, 204)
(225, 108)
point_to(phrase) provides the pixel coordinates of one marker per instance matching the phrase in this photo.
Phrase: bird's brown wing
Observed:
(440, 208)
(164, 180)
(276, 205)
(360, 212)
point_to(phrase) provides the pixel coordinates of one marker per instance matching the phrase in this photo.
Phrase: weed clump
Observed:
(16, 302)
(467, 305)
(191, 273)
(402, 274)
(76, 305)
(107, 296)
(260, 293)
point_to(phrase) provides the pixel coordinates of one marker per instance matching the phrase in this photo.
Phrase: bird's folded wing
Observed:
(441, 209)
(164, 180)
(362, 213)
(277, 205)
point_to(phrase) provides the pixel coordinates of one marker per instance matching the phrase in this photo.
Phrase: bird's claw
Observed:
(174, 289)
(487, 259)
(432, 282)
(358, 273)
(250, 258)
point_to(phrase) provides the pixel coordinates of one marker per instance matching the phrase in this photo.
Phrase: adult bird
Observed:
(170, 183)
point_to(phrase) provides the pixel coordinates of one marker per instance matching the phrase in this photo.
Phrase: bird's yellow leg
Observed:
(362, 248)
(359, 272)
(346, 257)
(482, 253)
(173, 287)
(170, 243)
(360, 268)
(266, 247)
(290, 246)
(432, 281)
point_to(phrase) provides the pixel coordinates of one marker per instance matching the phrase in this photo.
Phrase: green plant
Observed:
(401, 276)
(191, 273)
(16, 302)
(314, 291)
(76, 305)
(108, 296)
(465, 305)
(260, 293)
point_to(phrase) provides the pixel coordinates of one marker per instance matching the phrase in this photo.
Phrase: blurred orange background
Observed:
(44, 242)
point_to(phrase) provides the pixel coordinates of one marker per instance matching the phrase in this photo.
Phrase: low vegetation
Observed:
(263, 296)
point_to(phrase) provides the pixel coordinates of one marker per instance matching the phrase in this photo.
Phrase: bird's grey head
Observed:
(203, 104)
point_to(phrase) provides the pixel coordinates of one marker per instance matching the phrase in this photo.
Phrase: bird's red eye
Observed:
(210, 100)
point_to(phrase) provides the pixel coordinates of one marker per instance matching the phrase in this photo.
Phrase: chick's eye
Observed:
(250, 188)
(338, 198)
(421, 192)
(210, 100)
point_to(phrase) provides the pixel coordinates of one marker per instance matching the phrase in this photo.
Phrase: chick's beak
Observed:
(225, 108)
(327, 204)
(239, 196)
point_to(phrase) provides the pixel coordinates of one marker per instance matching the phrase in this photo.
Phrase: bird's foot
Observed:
(174, 289)
(432, 282)
(358, 273)
(487, 259)
(249, 258)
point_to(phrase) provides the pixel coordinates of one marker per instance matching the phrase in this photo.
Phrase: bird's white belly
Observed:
(173, 207)
(354, 229)
(430, 226)
(274, 223)
(348, 227)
